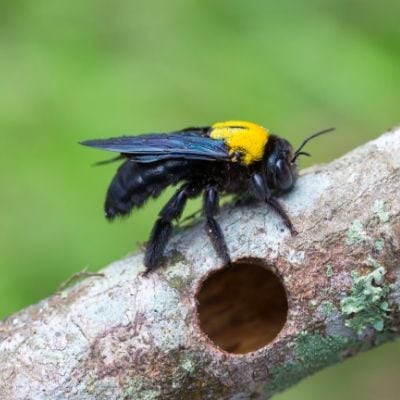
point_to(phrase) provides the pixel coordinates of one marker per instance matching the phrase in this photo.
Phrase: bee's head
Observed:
(281, 171)
(280, 161)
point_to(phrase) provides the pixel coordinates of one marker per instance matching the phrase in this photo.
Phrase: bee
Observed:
(231, 157)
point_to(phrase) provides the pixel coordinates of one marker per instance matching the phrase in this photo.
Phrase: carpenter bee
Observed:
(232, 157)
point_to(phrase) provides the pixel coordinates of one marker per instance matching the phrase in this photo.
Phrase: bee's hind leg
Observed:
(163, 227)
(211, 205)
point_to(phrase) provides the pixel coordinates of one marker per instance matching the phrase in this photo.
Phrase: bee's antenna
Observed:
(298, 152)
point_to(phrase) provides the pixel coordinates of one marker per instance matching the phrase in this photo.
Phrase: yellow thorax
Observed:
(245, 138)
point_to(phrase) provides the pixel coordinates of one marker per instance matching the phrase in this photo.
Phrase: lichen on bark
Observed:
(313, 351)
(368, 305)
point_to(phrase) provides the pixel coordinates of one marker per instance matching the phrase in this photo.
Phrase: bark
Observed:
(125, 335)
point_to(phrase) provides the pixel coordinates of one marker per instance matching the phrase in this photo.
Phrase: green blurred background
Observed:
(73, 70)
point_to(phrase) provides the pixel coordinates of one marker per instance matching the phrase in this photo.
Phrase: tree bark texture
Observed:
(331, 291)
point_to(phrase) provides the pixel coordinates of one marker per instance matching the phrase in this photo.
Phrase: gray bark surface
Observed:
(129, 336)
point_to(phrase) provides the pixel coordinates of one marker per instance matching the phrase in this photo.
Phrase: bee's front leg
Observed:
(211, 205)
(260, 189)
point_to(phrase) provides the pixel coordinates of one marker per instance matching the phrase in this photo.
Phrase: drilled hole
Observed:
(242, 308)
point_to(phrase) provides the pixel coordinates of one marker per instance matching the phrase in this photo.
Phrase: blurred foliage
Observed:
(77, 70)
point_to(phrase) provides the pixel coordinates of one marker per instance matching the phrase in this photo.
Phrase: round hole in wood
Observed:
(243, 307)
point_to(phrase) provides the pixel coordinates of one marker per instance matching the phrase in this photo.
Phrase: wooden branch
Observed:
(288, 307)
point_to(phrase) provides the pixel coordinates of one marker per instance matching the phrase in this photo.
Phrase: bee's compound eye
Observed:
(283, 175)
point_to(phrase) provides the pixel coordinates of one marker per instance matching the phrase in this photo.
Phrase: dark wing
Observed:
(186, 144)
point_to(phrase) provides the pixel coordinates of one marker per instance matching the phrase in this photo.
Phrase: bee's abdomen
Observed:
(134, 183)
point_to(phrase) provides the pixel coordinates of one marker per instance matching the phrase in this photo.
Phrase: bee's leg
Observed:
(163, 227)
(213, 229)
(260, 189)
(274, 203)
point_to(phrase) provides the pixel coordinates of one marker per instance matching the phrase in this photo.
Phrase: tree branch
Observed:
(129, 336)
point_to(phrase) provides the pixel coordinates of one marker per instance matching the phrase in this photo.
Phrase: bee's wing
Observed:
(186, 144)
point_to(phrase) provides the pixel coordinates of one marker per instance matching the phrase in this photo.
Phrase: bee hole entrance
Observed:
(243, 307)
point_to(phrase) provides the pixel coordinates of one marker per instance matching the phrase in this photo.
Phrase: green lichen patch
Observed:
(176, 257)
(329, 271)
(367, 306)
(312, 353)
(317, 349)
(177, 282)
(188, 366)
(312, 304)
(374, 263)
(177, 277)
(327, 308)
(378, 209)
(379, 244)
(356, 233)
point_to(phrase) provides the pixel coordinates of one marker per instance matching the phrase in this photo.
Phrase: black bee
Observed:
(228, 157)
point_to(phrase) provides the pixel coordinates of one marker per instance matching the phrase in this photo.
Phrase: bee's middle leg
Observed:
(211, 206)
